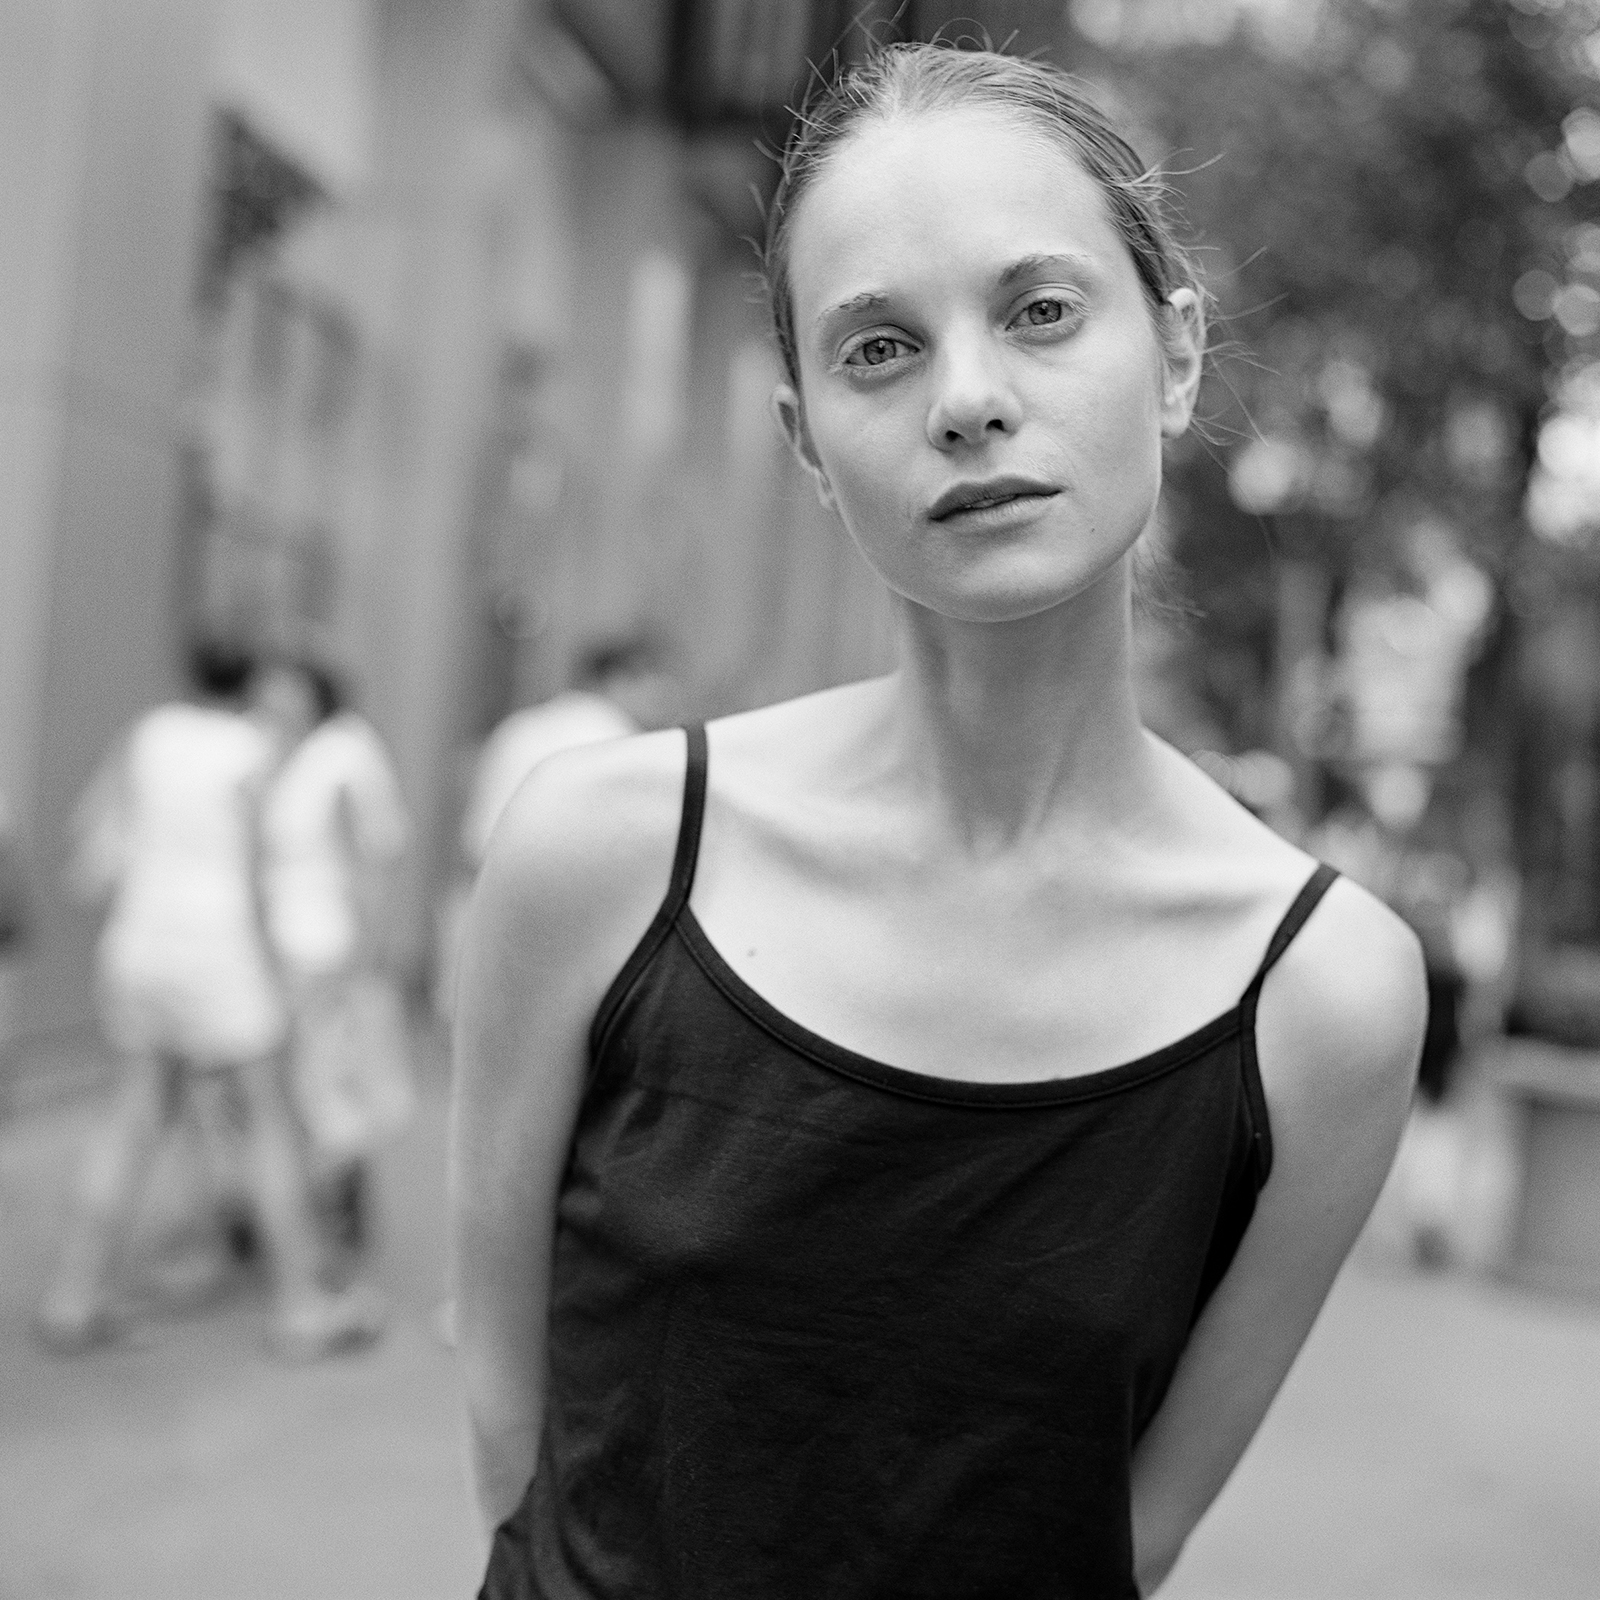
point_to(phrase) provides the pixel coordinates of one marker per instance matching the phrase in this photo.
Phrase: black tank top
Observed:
(827, 1329)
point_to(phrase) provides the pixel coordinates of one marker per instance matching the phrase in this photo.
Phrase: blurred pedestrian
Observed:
(169, 834)
(866, 1105)
(622, 684)
(335, 832)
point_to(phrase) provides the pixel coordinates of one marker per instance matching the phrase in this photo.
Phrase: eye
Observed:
(877, 351)
(1046, 311)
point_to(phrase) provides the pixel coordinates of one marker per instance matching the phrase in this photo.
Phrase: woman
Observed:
(169, 833)
(335, 831)
(860, 1118)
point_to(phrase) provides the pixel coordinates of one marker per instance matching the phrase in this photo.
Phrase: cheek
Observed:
(1110, 427)
(864, 455)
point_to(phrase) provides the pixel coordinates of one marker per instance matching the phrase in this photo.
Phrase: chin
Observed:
(1012, 588)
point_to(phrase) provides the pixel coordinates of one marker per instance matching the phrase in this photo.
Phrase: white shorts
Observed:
(220, 1007)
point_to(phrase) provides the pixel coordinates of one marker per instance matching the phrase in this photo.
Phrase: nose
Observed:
(973, 398)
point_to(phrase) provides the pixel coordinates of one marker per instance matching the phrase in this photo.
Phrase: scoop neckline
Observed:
(930, 1086)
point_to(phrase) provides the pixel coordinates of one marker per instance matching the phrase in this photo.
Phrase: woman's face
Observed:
(984, 389)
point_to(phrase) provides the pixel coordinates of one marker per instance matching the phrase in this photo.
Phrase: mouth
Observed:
(971, 497)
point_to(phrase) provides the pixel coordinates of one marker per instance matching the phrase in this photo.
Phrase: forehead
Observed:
(938, 193)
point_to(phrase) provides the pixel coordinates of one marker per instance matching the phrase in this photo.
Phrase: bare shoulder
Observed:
(1342, 1014)
(583, 854)
(581, 807)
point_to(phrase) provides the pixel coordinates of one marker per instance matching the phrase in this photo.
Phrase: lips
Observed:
(989, 493)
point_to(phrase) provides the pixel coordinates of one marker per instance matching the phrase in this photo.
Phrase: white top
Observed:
(175, 838)
(335, 805)
(520, 743)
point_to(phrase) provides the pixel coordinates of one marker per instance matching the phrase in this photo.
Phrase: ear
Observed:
(790, 416)
(1183, 342)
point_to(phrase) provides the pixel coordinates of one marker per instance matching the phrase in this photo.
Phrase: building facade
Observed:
(421, 335)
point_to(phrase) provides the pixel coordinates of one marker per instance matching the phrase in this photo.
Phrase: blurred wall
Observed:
(682, 509)
(102, 144)
(477, 371)
(425, 244)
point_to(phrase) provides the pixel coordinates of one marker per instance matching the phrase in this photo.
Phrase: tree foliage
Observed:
(1397, 205)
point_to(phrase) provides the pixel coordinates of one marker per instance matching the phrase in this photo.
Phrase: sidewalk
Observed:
(193, 1466)
(1439, 1439)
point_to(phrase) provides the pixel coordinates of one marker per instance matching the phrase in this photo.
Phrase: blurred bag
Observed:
(352, 1077)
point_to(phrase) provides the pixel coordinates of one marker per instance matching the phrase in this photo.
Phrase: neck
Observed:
(1023, 725)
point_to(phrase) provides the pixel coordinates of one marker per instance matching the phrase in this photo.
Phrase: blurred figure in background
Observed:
(621, 685)
(335, 831)
(169, 834)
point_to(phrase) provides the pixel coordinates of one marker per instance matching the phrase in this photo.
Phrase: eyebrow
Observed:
(872, 300)
(1038, 266)
(868, 300)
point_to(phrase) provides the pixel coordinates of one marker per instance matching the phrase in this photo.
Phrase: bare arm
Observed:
(1338, 1030)
(374, 833)
(373, 881)
(252, 803)
(575, 873)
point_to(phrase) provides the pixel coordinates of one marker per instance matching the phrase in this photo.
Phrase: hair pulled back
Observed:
(219, 666)
(907, 79)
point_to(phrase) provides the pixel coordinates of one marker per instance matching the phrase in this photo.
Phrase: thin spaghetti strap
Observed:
(678, 886)
(694, 808)
(1294, 919)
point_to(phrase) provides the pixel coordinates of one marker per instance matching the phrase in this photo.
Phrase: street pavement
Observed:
(189, 1464)
(1438, 1440)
